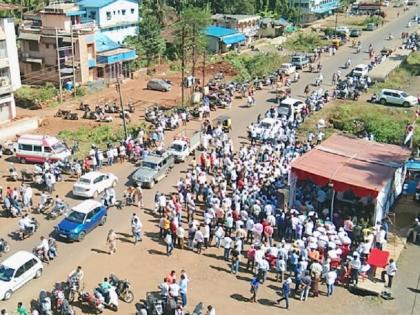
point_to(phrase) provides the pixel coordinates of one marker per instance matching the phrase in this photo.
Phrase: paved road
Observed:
(144, 265)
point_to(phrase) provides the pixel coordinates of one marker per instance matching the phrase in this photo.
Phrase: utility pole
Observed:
(336, 21)
(204, 69)
(193, 51)
(118, 86)
(72, 63)
(58, 65)
(183, 63)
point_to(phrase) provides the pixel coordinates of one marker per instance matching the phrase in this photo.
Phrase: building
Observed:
(59, 45)
(271, 27)
(245, 24)
(221, 39)
(116, 19)
(9, 69)
(365, 177)
(311, 10)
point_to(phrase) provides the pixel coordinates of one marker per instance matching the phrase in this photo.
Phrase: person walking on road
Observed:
(285, 291)
(255, 283)
(390, 271)
(330, 278)
(169, 244)
(136, 227)
(111, 241)
(21, 310)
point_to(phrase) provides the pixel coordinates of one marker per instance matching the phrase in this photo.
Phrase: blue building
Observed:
(222, 39)
(314, 9)
(117, 19)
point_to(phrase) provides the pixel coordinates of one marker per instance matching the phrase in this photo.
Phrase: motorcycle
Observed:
(109, 299)
(66, 308)
(44, 303)
(4, 246)
(46, 206)
(122, 288)
(92, 301)
(27, 232)
(57, 211)
(13, 175)
(59, 297)
(39, 252)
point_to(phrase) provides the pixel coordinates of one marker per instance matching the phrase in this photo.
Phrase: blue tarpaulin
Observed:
(234, 39)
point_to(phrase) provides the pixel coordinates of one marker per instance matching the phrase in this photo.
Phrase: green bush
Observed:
(305, 42)
(28, 97)
(80, 91)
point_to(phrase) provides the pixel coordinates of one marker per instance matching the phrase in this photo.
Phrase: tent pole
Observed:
(332, 206)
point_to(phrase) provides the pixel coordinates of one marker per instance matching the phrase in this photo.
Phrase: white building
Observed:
(245, 24)
(9, 69)
(116, 19)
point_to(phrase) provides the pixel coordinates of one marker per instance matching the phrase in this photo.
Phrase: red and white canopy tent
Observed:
(367, 168)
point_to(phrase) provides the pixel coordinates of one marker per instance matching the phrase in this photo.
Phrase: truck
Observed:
(153, 168)
(184, 144)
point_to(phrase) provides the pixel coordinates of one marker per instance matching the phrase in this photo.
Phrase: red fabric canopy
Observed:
(362, 166)
(378, 258)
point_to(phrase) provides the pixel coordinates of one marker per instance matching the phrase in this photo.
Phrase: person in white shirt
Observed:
(227, 244)
(210, 310)
(330, 278)
(263, 267)
(43, 248)
(164, 289)
(380, 240)
(174, 290)
(390, 271)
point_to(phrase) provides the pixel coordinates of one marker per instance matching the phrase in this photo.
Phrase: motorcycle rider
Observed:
(76, 276)
(52, 244)
(26, 224)
(43, 201)
(348, 63)
(109, 197)
(43, 248)
(105, 286)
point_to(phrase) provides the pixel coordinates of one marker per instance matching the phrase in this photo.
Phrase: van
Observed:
(16, 271)
(158, 85)
(300, 61)
(39, 148)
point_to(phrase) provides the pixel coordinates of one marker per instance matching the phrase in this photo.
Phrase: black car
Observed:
(355, 33)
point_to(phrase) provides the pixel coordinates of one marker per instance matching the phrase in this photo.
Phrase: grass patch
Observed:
(100, 136)
(255, 65)
(29, 97)
(304, 42)
(385, 122)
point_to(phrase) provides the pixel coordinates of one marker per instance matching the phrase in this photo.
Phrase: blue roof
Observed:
(104, 43)
(78, 12)
(98, 3)
(233, 39)
(217, 31)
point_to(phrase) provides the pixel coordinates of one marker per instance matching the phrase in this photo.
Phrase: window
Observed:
(33, 45)
(90, 215)
(47, 46)
(119, 12)
(108, 15)
(37, 148)
(92, 15)
(47, 150)
(30, 264)
(35, 67)
(20, 272)
(114, 12)
(25, 147)
(98, 179)
(123, 12)
(132, 11)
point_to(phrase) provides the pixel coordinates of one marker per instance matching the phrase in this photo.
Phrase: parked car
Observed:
(289, 106)
(361, 70)
(355, 33)
(300, 61)
(16, 271)
(343, 30)
(396, 97)
(270, 125)
(371, 27)
(288, 68)
(153, 168)
(81, 220)
(92, 184)
(159, 85)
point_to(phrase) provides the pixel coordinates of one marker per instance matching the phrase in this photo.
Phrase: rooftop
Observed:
(98, 3)
(352, 163)
(86, 206)
(220, 16)
(104, 43)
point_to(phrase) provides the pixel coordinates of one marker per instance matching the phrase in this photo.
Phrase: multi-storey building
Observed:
(9, 69)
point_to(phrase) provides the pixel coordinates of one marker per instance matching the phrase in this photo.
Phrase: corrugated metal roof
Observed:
(217, 31)
(98, 3)
(104, 43)
(233, 39)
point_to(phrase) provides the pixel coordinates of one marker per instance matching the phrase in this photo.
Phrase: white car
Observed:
(17, 270)
(288, 68)
(343, 30)
(361, 70)
(396, 97)
(265, 125)
(92, 184)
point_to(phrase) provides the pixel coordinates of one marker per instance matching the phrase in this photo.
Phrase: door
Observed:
(98, 183)
(397, 99)
(19, 279)
(89, 222)
(96, 216)
(38, 154)
(30, 269)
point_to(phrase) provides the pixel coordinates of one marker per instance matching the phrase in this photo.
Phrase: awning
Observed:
(34, 60)
(234, 39)
(29, 36)
(359, 165)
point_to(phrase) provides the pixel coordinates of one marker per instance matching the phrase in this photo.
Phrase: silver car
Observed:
(159, 85)
(154, 167)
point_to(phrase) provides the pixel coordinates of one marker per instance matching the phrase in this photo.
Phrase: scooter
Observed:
(27, 232)
(45, 303)
(57, 211)
(43, 208)
(92, 301)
